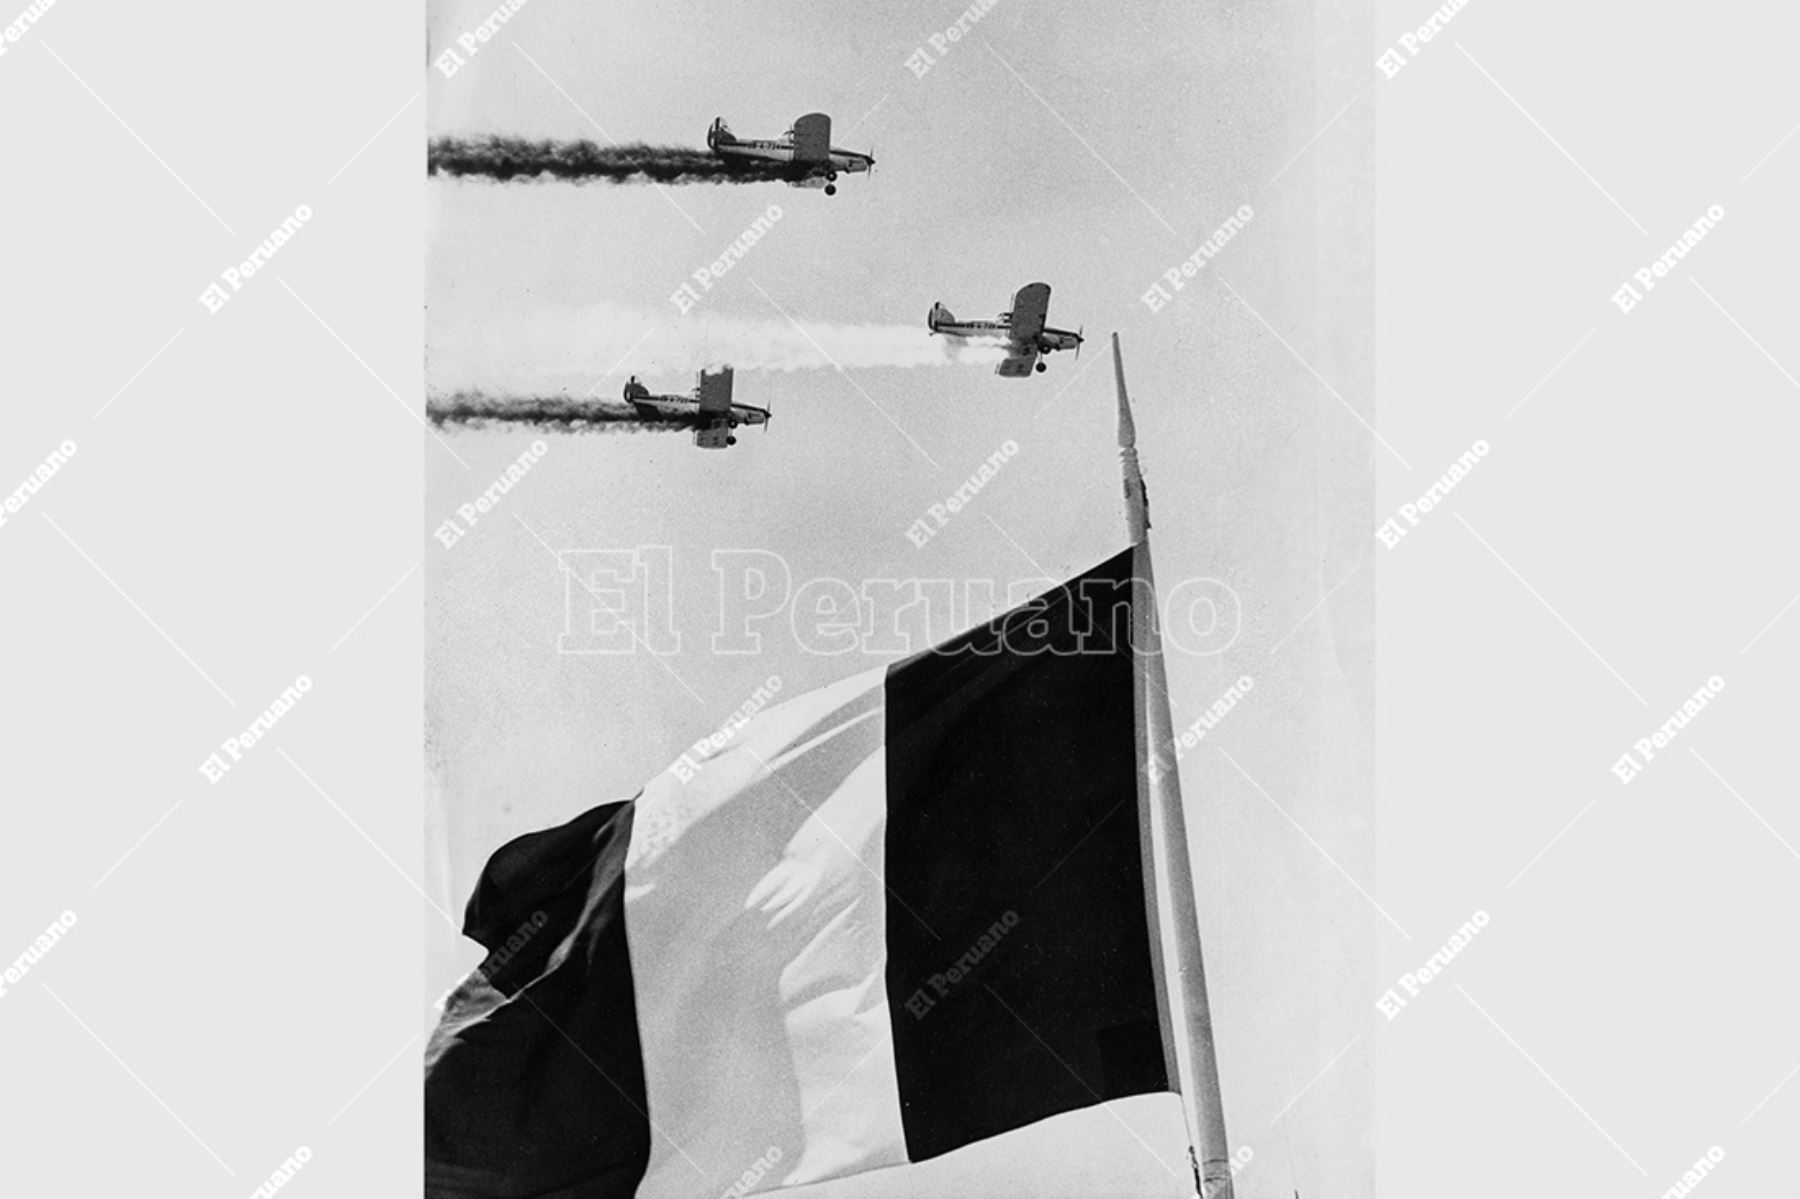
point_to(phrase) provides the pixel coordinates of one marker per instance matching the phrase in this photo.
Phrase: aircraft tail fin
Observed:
(635, 390)
(939, 316)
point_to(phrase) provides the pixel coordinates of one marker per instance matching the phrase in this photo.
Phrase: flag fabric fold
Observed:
(886, 919)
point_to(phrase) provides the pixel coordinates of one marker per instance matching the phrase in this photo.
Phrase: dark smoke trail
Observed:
(505, 158)
(556, 414)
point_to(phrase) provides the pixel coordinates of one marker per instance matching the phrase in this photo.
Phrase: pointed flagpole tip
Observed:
(1127, 427)
(1137, 506)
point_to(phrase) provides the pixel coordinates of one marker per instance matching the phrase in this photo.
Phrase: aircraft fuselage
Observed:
(847, 162)
(1044, 342)
(686, 410)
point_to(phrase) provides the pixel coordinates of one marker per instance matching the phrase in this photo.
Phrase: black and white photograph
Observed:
(1259, 659)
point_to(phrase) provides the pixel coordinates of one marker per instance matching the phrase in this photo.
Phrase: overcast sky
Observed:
(1257, 477)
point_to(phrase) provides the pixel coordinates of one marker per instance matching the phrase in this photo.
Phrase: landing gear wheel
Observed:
(731, 441)
(1041, 367)
(831, 189)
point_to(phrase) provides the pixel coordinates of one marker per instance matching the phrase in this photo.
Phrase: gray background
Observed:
(245, 975)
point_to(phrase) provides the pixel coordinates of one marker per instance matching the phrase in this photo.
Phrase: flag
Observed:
(886, 919)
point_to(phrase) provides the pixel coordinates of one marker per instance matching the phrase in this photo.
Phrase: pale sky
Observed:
(1257, 477)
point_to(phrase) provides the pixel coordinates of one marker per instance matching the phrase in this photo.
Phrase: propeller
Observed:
(1080, 330)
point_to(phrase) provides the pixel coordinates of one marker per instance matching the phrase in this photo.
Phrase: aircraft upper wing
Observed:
(812, 139)
(1029, 309)
(715, 392)
(1017, 363)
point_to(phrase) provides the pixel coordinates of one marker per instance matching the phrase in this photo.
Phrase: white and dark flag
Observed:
(888, 918)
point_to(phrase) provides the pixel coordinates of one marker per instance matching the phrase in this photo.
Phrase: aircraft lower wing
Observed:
(714, 436)
(1017, 363)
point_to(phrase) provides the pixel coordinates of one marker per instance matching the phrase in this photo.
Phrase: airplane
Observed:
(709, 411)
(806, 150)
(1023, 327)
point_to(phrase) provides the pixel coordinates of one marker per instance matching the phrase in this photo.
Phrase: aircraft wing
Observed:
(812, 139)
(1029, 309)
(715, 393)
(1018, 362)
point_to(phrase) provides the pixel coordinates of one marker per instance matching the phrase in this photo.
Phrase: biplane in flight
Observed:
(1028, 338)
(805, 150)
(709, 412)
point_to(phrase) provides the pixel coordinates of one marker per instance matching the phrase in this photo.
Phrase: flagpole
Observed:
(1169, 881)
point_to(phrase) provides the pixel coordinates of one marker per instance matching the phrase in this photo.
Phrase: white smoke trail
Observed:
(560, 348)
